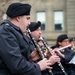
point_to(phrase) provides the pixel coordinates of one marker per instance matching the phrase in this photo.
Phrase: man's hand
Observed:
(53, 59)
(56, 50)
(44, 64)
(34, 55)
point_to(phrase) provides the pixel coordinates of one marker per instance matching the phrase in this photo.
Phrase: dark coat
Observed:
(65, 63)
(15, 49)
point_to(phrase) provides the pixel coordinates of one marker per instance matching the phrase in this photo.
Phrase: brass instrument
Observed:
(48, 48)
(38, 48)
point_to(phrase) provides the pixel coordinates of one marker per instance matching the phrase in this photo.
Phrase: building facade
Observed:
(57, 16)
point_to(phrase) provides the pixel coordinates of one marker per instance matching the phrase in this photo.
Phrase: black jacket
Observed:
(65, 63)
(15, 49)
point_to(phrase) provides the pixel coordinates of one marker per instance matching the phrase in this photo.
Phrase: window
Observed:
(59, 20)
(41, 16)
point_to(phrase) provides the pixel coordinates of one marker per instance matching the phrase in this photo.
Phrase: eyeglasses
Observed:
(65, 41)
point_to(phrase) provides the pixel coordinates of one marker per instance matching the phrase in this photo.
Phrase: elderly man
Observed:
(15, 46)
(35, 28)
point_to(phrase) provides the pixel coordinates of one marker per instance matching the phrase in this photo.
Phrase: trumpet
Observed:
(38, 48)
(48, 48)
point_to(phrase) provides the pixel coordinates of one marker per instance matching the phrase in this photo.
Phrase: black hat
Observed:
(18, 9)
(71, 39)
(33, 26)
(62, 37)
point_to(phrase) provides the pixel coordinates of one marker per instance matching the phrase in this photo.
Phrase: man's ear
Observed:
(59, 43)
(18, 18)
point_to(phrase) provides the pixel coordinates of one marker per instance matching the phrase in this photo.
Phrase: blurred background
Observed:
(57, 16)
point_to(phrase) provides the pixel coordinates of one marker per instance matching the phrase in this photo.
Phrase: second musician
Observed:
(36, 32)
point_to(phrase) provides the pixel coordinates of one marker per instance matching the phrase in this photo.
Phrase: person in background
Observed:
(36, 33)
(15, 46)
(72, 42)
(65, 55)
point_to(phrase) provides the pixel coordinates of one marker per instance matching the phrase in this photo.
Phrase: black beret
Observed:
(18, 9)
(34, 25)
(71, 39)
(62, 37)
